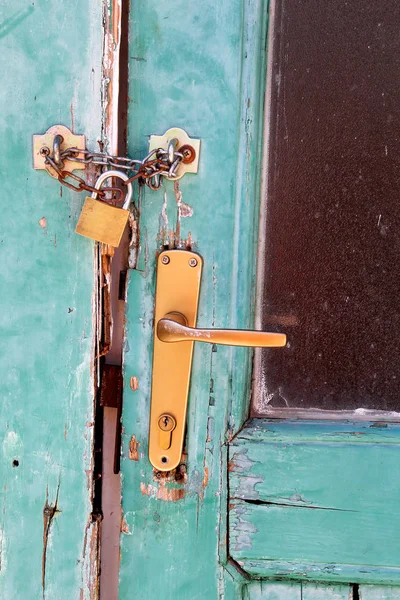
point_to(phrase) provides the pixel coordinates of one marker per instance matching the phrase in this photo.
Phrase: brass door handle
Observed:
(177, 296)
(173, 328)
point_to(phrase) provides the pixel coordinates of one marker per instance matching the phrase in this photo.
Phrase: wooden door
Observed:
(51, 73)
(266, 503)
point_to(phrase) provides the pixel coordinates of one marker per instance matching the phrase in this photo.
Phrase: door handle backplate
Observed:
(177, 297)
(177, 290)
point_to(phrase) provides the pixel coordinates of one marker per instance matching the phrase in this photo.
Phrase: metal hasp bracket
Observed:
(53, 142)
(177, 297)
(176, 139)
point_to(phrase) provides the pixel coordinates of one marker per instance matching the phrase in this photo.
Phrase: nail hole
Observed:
(15, 463)
(164, 459)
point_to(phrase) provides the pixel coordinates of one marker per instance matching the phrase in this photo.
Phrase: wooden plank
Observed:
(302, 431)
(48, 541)
(200, 67)
(311, 506)
(273, 590)
(315, 591)
(379, 592)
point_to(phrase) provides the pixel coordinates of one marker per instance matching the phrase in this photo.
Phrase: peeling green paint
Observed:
(53, 55)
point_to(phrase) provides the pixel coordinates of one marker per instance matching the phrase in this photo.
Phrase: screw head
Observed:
(165, 260)
(193, 262)
(189, 154)
(44, 151)
(166, 423)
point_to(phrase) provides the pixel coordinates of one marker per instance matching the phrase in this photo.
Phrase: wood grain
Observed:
(48, 543)
(199, 67)
(318, 501)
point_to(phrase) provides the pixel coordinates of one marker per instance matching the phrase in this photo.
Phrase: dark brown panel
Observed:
(332, 279)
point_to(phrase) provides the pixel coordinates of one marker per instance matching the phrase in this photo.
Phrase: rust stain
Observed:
(134, 383)
(231, 466)
(205, 478)
(162, 492)
(91, 564)
(110, 64)
(180, 474)
(168, 486)
(134, 448)
(124, 526)
(43, 222)
(94, 584)
(170, 495)
(49, 512)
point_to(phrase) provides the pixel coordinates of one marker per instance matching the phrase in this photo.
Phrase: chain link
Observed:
(149, 171)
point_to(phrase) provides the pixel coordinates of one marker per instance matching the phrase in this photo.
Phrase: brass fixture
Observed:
(177, 296)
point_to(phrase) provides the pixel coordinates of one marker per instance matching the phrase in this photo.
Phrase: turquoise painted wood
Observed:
(51, 57)
(316, 500)
(202, 67)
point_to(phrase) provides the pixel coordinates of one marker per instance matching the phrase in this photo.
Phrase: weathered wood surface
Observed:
(200, 67)
(378, 592)
(51, 57)
(316, 500)
(271, 590)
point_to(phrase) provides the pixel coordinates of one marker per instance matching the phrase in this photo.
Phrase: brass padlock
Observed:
(100, 221)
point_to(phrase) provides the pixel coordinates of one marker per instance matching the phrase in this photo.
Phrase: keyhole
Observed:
(166, 421)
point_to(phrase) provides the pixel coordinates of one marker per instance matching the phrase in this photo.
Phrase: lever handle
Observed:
(173, 328)
(177, 297)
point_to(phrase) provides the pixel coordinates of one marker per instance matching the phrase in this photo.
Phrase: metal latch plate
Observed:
(191, 145)
(46, 140)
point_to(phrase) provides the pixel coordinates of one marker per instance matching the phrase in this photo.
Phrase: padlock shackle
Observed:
(119, 175)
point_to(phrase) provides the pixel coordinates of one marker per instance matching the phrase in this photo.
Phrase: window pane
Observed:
(332, 249)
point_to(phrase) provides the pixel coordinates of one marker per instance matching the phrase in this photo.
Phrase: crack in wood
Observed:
(288, 505)
(49, 512)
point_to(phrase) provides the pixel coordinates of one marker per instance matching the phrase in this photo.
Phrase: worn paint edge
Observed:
(261, 431)
(319, 572)
(112, 33)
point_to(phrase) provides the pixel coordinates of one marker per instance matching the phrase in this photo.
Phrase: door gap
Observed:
(97, 453)
(118, 272)
(356, 591)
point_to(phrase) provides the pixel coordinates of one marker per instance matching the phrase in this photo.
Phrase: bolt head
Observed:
(165, 260)
(193, 262)
(189, 154)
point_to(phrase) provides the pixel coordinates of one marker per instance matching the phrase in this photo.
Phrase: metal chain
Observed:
(148, 171)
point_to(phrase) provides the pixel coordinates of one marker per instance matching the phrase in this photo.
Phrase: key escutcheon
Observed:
(166, 424)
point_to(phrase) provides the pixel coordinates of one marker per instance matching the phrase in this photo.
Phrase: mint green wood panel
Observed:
(320, 503)
(270, 590)
(199, 66)
(51, 55)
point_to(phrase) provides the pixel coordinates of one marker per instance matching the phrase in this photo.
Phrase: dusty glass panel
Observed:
(332, 243)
